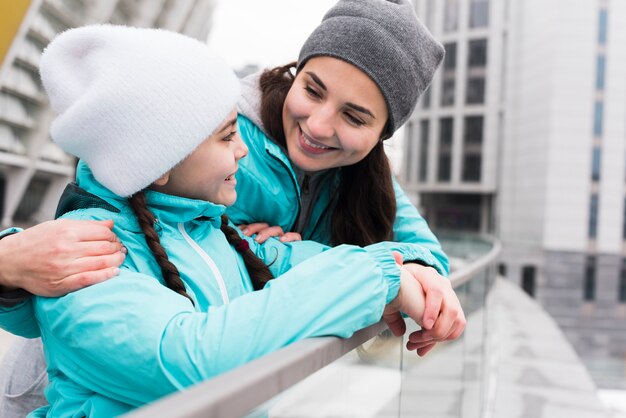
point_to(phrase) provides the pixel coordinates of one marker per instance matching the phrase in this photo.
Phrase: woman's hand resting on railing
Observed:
(58, 257)
(428, 299)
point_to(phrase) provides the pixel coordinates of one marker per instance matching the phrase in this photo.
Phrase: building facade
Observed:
(522, 134)
(33, 170)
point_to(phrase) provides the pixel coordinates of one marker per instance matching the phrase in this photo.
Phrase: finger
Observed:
(82, 280)
(97, 248)
(398, 257)
(272, 231)
(255, 228)
(423, 351)
(290, 237)
(419, 337)
(90, 264)
(434, 299)
(94, 231)
(243, 228)
(443, 326)
(418, 346)
(396, 323)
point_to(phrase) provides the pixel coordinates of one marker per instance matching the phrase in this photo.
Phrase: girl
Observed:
(182, 308)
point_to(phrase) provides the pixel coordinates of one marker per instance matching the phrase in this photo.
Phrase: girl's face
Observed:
(209, 172)
(333, 116)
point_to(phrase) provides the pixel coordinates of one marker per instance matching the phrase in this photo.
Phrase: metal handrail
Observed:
(266, 377)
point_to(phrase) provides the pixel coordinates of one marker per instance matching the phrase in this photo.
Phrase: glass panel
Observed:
(622, 282)
(602, 26)
(600, 69)
(475, 93)
(593, 216)
(590, 280)
(364, 383)
(477, 56)
(424, 135)
(446, 129)
(597, 119)
(409, 156)
(595, 164)
(479, 13)
(451, 16)
(528, 279)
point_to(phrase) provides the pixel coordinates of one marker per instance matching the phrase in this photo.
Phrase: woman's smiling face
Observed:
(333, 116)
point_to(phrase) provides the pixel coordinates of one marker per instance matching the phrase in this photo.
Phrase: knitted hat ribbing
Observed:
(386, 41)
(133, 102)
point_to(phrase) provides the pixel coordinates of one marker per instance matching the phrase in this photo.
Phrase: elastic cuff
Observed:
(391, 270)
(415, 253)
(10, 231)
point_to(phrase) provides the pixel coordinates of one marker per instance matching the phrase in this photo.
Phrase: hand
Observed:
(263, 231)
(444, 319)
(58, 257)
(410, 300)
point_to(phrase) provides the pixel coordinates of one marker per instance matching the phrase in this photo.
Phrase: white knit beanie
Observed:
(132, 102)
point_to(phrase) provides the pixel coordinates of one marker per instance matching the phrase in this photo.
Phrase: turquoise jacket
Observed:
(122, 343)
(268, 191)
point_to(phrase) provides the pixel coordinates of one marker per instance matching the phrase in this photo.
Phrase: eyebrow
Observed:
(351, 105)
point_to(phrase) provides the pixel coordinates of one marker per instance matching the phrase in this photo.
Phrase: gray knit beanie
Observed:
(386, 41)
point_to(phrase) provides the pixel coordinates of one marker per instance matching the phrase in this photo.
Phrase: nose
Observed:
(320, 122)
(242, 149)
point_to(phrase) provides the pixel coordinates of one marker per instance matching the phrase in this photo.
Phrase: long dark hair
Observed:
(258, 271)
(365, 208)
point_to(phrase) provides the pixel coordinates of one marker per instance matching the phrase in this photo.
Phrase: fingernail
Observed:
(124, 250)
(428, 323)
(116, 271)
(245, 231)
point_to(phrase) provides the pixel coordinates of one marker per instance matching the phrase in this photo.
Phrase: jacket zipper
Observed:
(209, 261)
(295, 186)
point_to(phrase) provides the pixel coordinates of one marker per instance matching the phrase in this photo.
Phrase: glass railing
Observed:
(368, 375)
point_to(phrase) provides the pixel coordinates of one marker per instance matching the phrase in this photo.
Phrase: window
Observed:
(528, 279)
(595, 163)
(472, 148)
(597, 119)
(426, 98)
(479, 13)
(602, 26)
(622, 283)
(502, 269)
(475, 93)
(448, 77)
(424, 135)
(593, 216)
(446, 129)
(589, 288)
(451, 16)
(409, 156)
(600, 70)
(624, 222)
(477, 56)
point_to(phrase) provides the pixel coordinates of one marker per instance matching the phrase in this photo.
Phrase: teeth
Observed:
(309, 143)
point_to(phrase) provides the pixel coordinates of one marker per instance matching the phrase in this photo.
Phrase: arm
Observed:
(411, 228)
(154, 343)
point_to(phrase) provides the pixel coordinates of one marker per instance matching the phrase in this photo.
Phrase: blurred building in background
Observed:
(33, 170)
(522, 134)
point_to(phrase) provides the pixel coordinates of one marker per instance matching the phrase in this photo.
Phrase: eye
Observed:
(230, 136)
(311, 92)
(353, 120)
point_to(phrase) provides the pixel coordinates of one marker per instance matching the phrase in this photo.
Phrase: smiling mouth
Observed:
(312, 146)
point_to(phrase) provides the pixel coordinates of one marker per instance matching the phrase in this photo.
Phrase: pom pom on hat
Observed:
(133, 102)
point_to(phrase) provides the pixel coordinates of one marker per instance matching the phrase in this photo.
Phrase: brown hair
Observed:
(258, 271)
(365, 207)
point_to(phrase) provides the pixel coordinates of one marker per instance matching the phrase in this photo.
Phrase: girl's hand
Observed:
(58, 257)
(444, 319)
(263, 231)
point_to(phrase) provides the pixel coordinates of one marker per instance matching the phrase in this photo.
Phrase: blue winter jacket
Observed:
(122, 343)
(268, 191)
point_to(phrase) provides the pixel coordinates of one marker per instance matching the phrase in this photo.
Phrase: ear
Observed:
(162, 181)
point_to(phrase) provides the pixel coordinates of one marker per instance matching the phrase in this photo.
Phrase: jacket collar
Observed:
(166, 208)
